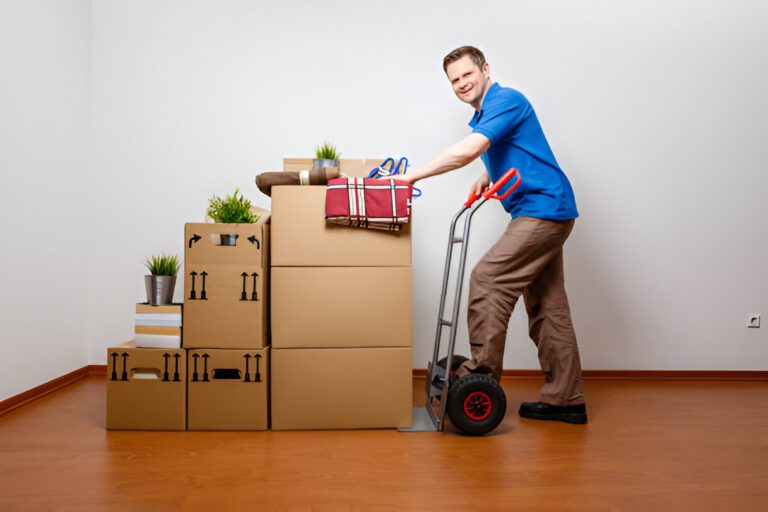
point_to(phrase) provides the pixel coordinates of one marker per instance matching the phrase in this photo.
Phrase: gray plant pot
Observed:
(229, 240)
(319, 163)
(159, 289)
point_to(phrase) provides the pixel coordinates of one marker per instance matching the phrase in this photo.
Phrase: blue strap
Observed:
(401, 168)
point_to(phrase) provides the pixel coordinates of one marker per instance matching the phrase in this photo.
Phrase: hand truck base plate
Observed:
(422, 422)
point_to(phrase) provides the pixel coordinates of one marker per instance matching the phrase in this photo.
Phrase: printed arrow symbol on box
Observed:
(247, 375)
(166, 356)
(194, 374)
(244, 294)
(257, 378)
(193, 293)
(254, 296)
(254, 241)
(176, 377)
(115, 355)
(202, 292)
(205, 368)
(195, 238)
(124, 377)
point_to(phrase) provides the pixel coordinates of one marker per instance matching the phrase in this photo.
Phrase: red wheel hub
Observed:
(477, 405)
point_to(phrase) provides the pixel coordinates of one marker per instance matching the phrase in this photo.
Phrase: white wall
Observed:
(656, 110)
(44, 64)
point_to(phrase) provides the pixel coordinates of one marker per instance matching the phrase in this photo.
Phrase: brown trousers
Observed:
(527, 260)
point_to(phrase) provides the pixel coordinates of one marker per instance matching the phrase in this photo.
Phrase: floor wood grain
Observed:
(649, 446)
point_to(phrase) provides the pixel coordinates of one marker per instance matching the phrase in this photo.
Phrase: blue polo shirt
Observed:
(517, 140)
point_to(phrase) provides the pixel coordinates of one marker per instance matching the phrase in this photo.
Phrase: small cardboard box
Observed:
(356, 167)
(302, 238)
(158, 326)
(226, 287)
(334, 307)
(341, 388)
(228, 389)
(146, 388)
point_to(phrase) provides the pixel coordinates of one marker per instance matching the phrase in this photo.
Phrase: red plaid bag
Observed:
(368, 203)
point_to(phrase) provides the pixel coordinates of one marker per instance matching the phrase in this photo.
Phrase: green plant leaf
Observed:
(232, 210)
(327, 152)
(163, 265)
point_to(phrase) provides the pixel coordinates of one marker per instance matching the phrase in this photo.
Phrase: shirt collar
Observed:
(479, 113)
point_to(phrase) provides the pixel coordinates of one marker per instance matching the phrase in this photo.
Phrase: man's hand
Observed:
(482, 183)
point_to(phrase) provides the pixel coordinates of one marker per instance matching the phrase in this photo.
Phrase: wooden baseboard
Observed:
(49, 387)
(100, 370)
(714, 375)
(97, 370)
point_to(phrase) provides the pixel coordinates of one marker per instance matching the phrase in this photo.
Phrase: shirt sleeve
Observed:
(500, 118)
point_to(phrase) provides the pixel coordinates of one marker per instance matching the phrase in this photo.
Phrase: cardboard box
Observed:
(359, 167)
(158, 326)
(228, 389)
(146, 388)
(334, 307)
(226, 287)
(302, 238)
(341, 388)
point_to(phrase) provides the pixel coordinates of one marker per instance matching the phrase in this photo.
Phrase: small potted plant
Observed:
(162, 281)
(232, 210)
(326, 156)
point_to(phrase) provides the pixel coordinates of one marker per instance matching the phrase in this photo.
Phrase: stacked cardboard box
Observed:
(225, 324)
(219, 379)
(146, 388)
(146, 378)
(341, 316)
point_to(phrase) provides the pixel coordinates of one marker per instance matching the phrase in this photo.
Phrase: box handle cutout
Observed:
(226, 374)
(145, 373)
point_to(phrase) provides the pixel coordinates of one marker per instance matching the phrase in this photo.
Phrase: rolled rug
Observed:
(266, 180)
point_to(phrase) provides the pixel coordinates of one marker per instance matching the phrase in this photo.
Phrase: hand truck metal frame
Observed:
(425, 418)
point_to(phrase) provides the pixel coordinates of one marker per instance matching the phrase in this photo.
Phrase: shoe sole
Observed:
(576, 419)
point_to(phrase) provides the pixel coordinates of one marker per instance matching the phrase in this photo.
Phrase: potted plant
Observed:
(326, 156)
(232, 210)
(162, 281)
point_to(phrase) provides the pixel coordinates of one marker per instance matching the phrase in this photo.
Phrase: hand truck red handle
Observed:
(490, 193)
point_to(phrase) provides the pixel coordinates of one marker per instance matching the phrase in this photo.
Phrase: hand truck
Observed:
(474, 403)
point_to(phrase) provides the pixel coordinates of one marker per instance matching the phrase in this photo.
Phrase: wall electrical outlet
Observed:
(753, 320)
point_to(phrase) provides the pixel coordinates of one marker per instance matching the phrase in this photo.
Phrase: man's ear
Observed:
(487, 70)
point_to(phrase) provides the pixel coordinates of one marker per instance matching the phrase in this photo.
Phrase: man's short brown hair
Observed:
(475, 54)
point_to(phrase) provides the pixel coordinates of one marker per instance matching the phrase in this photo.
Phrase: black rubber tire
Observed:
(455, 362)
(484, 394)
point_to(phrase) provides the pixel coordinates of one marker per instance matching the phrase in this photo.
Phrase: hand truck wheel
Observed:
(476, 404)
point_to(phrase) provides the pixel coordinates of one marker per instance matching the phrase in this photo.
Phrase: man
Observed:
(528, 258)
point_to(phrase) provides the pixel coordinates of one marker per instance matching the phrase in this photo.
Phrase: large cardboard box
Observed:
(357, 167)
(333, 307)
(158, 326)
(146, 388)
(228, 389)
(302, 238)
(226, 287)
(341, 388)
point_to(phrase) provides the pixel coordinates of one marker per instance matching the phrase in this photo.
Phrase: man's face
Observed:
(469, 82)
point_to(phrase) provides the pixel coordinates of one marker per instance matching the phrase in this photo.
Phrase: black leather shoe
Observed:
(541, 411)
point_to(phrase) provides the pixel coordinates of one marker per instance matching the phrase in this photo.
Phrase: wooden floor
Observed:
(649, 446)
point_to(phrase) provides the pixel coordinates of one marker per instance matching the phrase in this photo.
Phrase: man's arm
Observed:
(456, 156)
